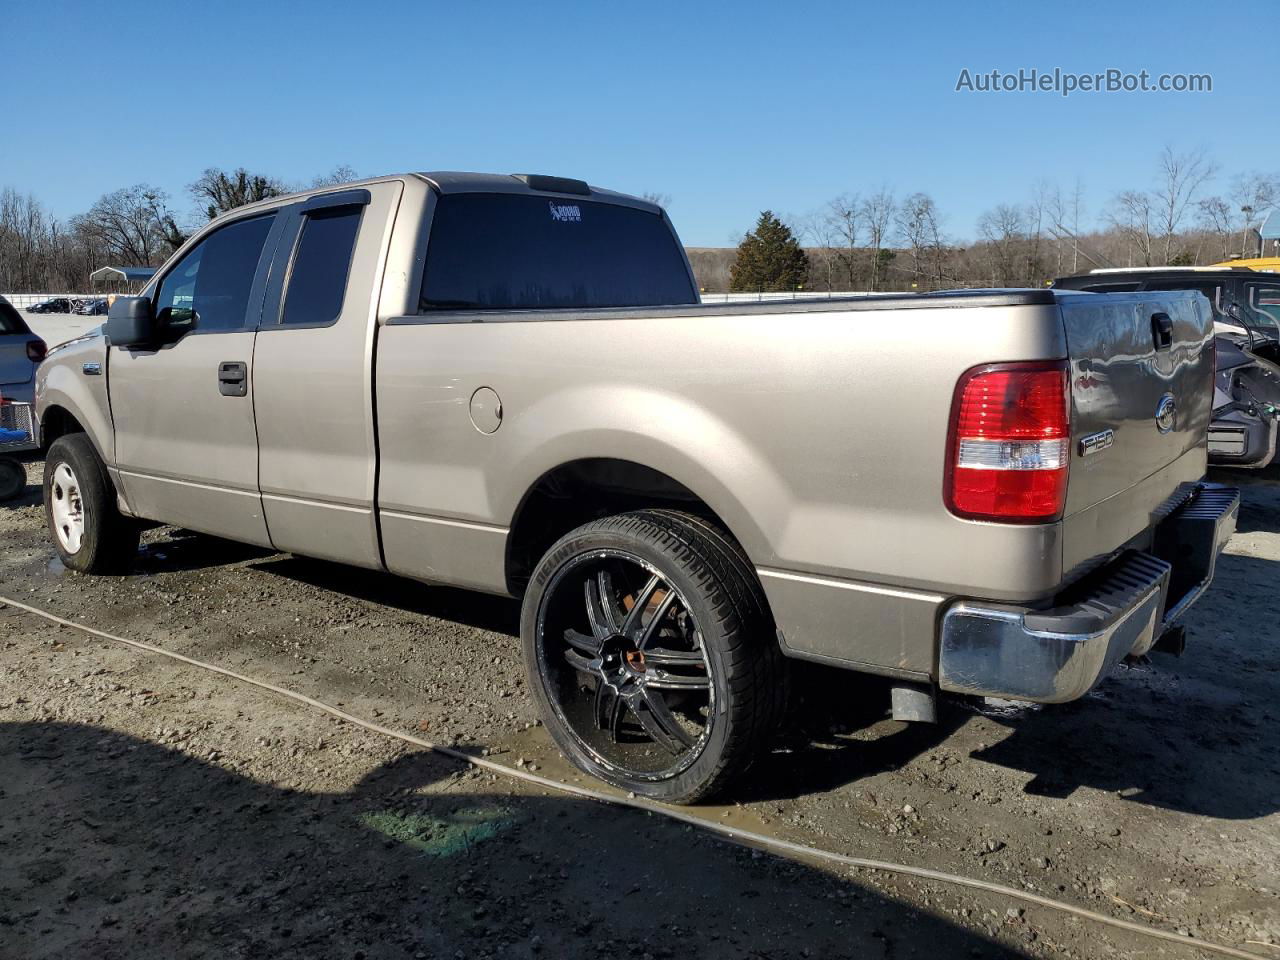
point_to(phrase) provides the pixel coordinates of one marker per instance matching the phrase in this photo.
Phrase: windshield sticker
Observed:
(565, 212)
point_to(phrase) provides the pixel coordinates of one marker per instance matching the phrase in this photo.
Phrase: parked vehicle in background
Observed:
(507, 383)
(1246, 309)
(20, 352)
(93, 307)
(53, 305)
(17, 435)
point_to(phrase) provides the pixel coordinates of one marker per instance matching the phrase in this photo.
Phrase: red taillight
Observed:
(36, 350)
(1010, 443)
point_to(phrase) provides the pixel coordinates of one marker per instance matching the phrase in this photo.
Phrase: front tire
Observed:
(88, 530)
(652, 655)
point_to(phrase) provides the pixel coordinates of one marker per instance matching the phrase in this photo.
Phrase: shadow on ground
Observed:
(116, 847)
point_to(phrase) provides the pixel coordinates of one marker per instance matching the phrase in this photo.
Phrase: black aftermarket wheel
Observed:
(652, 654)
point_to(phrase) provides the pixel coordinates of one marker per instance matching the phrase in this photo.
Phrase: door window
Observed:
(208, 289)
(321, 265)
(1264, 302)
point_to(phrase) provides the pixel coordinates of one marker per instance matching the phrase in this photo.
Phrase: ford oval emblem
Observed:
(1166, 413)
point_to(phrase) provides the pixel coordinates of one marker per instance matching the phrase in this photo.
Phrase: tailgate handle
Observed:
(1162, 330)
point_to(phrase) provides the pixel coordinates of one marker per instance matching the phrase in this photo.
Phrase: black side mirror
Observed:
(131, 322)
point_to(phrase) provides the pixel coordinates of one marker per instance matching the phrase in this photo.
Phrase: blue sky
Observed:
(727, 108)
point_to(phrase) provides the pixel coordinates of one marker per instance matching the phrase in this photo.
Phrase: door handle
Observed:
(1162, 330)
(233, 378)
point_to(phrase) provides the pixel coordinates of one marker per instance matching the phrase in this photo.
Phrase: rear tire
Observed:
(13, 478)
(668, 680)
(88, 530)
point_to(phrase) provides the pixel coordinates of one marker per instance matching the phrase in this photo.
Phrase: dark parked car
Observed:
(91, 307)
(1246, 308)
(55, 305)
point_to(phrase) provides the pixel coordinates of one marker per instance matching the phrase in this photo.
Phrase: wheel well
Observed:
(56, 423)
(584, 490)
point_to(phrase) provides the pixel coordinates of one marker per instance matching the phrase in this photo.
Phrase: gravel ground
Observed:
(151, 810)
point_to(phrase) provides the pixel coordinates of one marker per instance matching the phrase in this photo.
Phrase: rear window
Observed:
(10, 320)
(492, 251)
(1209, 288)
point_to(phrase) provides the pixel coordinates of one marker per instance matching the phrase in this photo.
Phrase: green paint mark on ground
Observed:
(446, 836)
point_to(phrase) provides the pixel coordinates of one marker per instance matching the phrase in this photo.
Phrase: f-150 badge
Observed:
(1096, 442)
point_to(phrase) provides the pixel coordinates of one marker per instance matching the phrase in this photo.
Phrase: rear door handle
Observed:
(233, 378)
(1162, 330)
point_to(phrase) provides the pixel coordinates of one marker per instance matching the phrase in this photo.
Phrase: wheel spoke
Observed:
(663, 657)
(601, 622)
(631, 626)
(660, 723)
(609, 600)
(651, 628)
(581, 663)
(616, 713)
(672, 681)
(580, 641)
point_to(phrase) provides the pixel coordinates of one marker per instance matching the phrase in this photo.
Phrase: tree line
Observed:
(867, 240)
(134, 226)
(881, 241)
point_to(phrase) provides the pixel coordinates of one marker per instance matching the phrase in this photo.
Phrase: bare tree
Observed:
(917, 225)
(1004, 228)
(133, 225)
(1248, 199)
(842, 216)
(1182, 175)
(342, 173)
(876, 214)
(1131, 215)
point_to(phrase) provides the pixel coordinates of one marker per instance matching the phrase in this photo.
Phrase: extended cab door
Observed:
(186, 447)
(313, 369)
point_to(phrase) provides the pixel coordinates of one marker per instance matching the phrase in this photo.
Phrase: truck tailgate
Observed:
(1141, 394)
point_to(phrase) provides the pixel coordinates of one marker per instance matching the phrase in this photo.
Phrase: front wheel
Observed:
(652, 654)
(89, 532)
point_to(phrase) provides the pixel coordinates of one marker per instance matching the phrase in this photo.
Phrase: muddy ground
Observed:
(152, 810)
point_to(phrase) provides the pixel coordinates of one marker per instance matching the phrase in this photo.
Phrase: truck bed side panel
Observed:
(818, 438)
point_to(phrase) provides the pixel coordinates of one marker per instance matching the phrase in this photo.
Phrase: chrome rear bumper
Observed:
(1056, 655)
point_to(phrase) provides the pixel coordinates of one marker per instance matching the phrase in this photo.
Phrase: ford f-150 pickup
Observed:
(507, 383)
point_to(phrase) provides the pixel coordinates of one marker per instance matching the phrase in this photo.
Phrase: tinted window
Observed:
(1209, 288)
(1109, 287)
(318, 280)
(10, 320)
(209, 287)
(509, 252)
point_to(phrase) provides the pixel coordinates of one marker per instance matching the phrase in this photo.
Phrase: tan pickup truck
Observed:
(507, 383)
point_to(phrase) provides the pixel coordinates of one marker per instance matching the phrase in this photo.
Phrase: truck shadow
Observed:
(1259, 497)
(118, 847)
(480, 610)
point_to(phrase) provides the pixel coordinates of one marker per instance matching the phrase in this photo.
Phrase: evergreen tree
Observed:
(769, 258)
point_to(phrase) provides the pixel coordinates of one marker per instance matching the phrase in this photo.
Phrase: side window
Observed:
(10, 320)
(208, 289)
(321, 265)
(1265, 299)
(1210, 289)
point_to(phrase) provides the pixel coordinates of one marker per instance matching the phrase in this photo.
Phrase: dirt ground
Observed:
(151, 810)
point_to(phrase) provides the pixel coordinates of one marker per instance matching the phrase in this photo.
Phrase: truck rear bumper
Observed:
(1056, 655)
(1241, 440)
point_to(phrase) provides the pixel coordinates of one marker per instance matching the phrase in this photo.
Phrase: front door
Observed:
(186, 446)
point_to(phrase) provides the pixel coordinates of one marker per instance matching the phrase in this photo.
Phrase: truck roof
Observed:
(452, 181)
